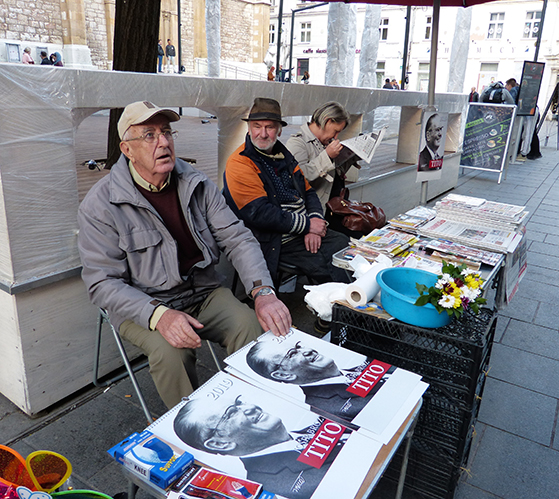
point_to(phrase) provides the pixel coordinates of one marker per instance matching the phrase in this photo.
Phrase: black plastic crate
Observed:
(453, 355)
(432, 472)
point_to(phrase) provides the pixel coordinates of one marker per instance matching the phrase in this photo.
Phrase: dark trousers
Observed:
(318, 265)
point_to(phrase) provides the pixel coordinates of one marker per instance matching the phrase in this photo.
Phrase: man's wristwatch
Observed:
(266, 290)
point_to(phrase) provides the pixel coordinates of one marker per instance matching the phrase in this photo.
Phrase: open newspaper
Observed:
(244, 431)
(331, 380)
(360, 147)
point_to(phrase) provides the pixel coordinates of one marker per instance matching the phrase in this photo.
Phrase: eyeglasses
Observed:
(290, 354)
(152, 137)
(42, 470)
(229, 411)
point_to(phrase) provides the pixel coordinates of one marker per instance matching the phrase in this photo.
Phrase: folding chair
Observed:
(130, 371)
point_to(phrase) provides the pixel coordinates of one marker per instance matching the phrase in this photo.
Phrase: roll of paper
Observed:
(364, 289)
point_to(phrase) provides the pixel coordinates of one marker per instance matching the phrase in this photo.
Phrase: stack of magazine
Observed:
(303, 417)
(476, 222)
(413, 219)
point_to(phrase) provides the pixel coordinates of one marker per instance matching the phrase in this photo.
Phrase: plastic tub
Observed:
(398, 295)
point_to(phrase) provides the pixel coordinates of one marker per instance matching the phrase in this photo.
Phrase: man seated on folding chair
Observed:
(150, 237)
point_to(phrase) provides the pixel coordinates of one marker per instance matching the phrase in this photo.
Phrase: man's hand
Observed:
(334, 148)
(312, 242)
(272, 314)
(177, 328)
(318, 226)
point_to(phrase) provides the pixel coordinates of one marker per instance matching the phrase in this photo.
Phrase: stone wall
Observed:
(236, 31)
(42, 23)
(39, 21)
(96, 33)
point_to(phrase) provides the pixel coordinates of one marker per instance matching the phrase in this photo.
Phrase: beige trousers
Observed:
(226, 321)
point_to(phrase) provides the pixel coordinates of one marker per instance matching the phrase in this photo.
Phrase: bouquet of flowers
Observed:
(456, 290)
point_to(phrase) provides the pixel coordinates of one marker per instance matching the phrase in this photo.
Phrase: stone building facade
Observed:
(82, 30)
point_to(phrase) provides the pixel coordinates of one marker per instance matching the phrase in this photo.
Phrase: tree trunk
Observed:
(135, 49)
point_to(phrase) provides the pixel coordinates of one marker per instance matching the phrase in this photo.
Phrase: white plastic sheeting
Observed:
(342, 28)
(41, 107)
(369, 47)
(213, 36)
(459, 52)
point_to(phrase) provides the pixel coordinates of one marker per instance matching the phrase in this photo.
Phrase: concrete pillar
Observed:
(76, 52)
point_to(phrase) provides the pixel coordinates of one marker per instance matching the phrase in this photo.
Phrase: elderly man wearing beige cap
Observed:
(150, 237)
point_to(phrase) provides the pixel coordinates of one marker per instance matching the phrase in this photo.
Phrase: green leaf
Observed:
(421, 288)
(422, 300)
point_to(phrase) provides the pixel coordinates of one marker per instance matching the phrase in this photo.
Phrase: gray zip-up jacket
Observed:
(129, 258)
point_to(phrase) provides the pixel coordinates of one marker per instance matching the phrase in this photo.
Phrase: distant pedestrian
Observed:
(387, 84)
(496, 93)
(395, 85)
(45, 61)
(56, 59)
(27, 59)
(170, 54)
(306, 77)
(474, 96)
(513, 88)
(160, 54)
(271, 74)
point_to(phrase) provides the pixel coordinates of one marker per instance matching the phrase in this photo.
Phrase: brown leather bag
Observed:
(359, 217)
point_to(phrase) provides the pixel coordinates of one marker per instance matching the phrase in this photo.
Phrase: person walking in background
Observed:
(45, 61)
(271, 74)
(160, 54)
(395, 85)
(306, 78)
(56, 59)
(474, 96)
(513, 88)
(27, 59)
(170, 53)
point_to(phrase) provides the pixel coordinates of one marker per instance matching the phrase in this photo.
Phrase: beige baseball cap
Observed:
(140, 112)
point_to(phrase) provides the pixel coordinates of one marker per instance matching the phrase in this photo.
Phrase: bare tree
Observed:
(135, 49)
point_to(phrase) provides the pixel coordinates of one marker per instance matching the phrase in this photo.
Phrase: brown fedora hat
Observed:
(265, 109)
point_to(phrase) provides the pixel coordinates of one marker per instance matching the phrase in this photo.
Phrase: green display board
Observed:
(487, 136)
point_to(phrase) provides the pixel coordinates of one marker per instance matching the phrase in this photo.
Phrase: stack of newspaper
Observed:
(476, 222)
(303, 417)
(458, 207)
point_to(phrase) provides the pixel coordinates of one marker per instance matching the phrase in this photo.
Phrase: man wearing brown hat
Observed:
(265, 187)
(150, 237)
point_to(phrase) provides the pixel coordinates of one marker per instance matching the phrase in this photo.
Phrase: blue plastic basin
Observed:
(398, 295)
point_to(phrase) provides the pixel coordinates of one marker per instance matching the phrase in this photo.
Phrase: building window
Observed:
(532, 24)
(13, 52)
(272, 34)
(305, 32)
(383, 29)
(496, 25)
(423, 76)
(428, 24)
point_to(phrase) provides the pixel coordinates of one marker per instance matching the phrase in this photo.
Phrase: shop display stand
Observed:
(454, 360)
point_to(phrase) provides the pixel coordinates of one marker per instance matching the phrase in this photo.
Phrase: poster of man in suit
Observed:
(246, 432)
(328, 379)
(431, 149)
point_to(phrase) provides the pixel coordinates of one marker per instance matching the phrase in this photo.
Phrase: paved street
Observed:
(515, 453)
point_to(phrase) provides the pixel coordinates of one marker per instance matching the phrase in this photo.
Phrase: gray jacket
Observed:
(319, 169)
(129, 258)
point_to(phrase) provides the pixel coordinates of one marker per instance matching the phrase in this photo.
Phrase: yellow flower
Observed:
(457, 303)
